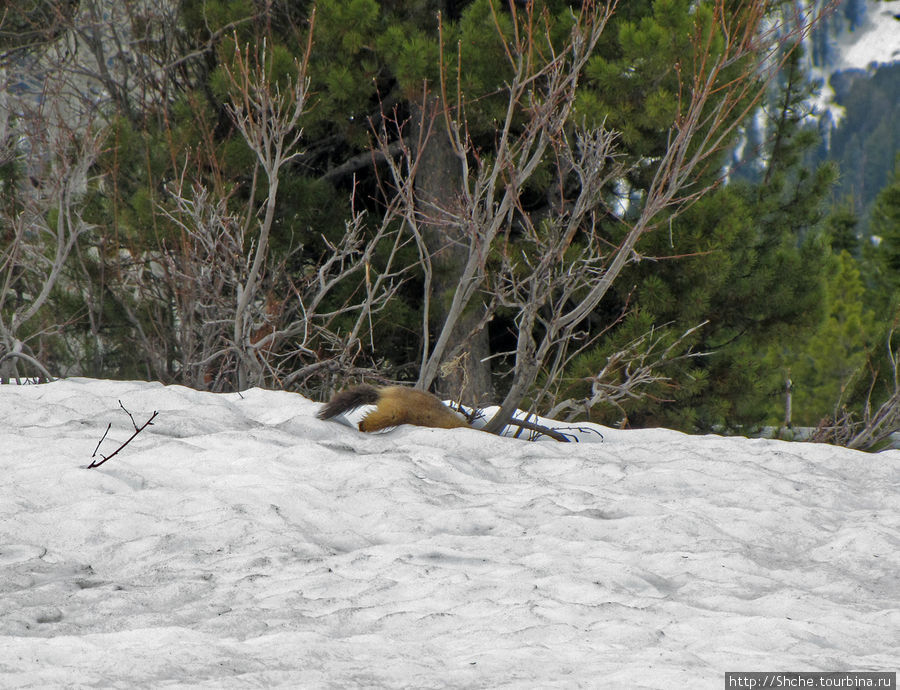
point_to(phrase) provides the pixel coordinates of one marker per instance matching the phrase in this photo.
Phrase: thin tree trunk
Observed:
(466, 373)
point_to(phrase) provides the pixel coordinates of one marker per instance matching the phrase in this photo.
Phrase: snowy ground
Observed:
(241, 542)
(877, 42)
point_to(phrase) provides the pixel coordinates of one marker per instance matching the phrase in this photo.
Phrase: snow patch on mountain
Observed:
(876, 42)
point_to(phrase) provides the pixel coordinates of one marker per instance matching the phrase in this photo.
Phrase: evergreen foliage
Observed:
(749, 258)
(885, 226)
(750, 261)
(842, 370)
(825, 365)
(843, 229)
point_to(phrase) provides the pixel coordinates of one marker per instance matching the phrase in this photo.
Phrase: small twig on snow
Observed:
(137, 430)
(130, 416)
(108, 427)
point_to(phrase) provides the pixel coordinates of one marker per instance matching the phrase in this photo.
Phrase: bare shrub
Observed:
(554, 269)
(870, 429)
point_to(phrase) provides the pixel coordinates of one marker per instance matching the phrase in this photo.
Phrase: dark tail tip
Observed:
(348, 400)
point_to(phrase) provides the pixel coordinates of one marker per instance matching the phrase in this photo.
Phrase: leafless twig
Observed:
(629, 372)
(137, 430)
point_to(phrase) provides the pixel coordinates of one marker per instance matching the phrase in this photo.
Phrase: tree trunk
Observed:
(465, 373)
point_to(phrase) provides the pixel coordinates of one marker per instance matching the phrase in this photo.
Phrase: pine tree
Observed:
(750, 259)
(885, 226)
(843, 229)
(824, 366)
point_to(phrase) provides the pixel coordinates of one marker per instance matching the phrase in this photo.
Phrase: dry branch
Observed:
(556, 269)
(137, 430)
(875, 425)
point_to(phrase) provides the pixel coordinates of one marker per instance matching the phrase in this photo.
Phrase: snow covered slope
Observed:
(241, 542)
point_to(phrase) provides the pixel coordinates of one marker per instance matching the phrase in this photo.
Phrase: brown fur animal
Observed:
(394, 405)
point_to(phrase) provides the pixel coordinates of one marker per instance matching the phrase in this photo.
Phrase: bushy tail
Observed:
(348, 400)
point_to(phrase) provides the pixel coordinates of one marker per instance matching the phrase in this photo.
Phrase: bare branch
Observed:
(137, 430)
(871, 430)
(631, 371)
(18, 354)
